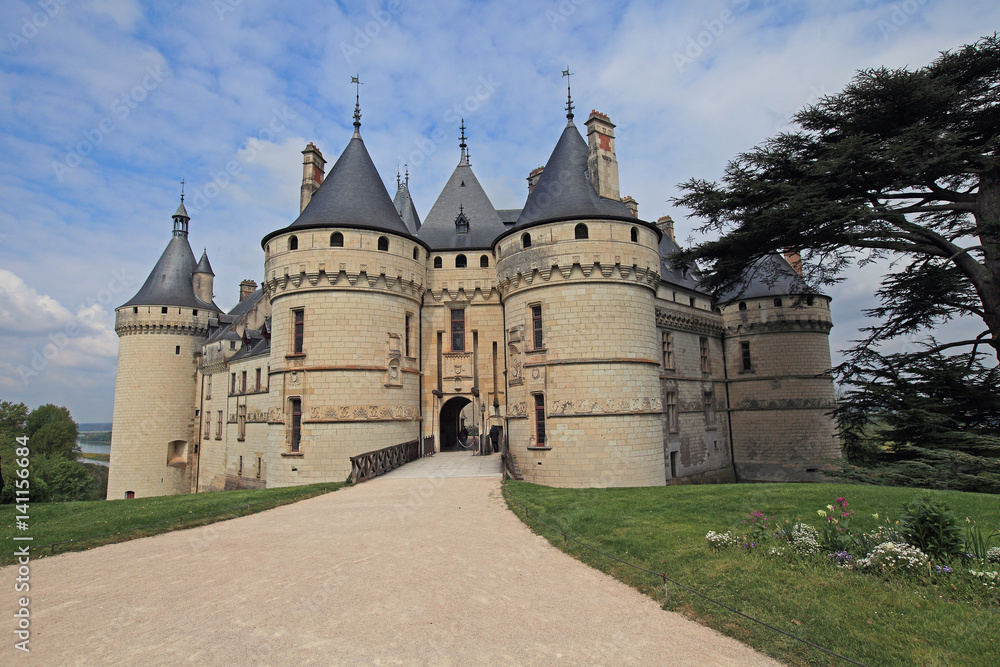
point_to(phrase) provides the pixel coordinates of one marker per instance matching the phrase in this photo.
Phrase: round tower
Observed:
(778, 368)
(161, 330)
(345, 283)
(578, 274)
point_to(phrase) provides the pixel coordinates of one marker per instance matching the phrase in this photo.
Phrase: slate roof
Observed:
(352, 195)
(227, 320)
(564, 190)
(508, 216)
(681, 277)
(771, 275)
(169, 283)
(404, 206)
(204, 266)
(462, 193)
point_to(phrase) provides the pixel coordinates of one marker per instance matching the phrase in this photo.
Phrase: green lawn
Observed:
(94, 523)
(903, 621)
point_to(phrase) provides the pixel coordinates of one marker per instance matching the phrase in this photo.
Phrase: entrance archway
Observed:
(451, 415)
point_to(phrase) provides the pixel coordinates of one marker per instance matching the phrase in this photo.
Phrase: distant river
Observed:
(91, 448)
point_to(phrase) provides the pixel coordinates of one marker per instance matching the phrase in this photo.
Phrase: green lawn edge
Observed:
(78, 526)
(897, 622)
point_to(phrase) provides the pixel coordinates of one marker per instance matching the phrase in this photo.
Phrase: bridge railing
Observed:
(378, 462)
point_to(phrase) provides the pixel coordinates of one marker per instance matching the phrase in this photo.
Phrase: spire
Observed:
(357, 105)
(398, 182)
(569, 96)
(407, 168)
(463, 145)
(181, 217)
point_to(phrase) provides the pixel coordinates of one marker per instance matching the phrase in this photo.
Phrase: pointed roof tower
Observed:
(404, 204)
(203, 264)
(463, 216)
(352, 195)
(169, 283)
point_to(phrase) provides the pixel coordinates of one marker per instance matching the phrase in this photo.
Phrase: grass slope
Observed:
(872, 621)
(93, 523)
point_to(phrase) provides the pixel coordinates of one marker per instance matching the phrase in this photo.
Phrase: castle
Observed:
(563, 322)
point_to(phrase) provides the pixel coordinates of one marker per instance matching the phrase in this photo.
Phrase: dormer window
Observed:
(461, 222)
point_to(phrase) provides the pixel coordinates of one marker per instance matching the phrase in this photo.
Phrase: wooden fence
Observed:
(372, 464)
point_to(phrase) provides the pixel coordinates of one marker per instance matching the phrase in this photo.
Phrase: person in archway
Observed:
(463, 437)
(495, 437)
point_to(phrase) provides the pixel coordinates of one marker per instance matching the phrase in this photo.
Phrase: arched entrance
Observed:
(451, 415)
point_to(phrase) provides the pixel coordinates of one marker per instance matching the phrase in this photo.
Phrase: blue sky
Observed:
(108, 104)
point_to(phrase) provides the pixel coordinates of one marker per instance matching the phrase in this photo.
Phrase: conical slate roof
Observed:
(771, 275)
(564, 190)
(169, 283)
(461, 194)
(352, 195)
(203, 264)
(404, 206)
(680, 276)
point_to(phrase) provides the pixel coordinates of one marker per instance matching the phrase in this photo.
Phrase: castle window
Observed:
(777, 302)
(257, 385)
(667, 342)
(536, 326)
(232, 345)
(693, 302)
(539, 420)
(243, 381)
(259, 467)
(670, 403)
(163, 310)
(195, 313)
(745, 355)
(406, 334)
(458, 330)
(233, 390)
(484, 261)
(218, 426)
(635, 235)
(299, 317)
(581, 231)
(416, 253)
(336, 240)
(809, 301)
(383, 243)
(437, 263)
(461, 262)
(208, 427)
(461, 222)
(177, 349)
(135, 310)
(709, 401)
(241, 422)
(526, 240)
(293, 242)
(673, 464)
(208, 387)
(296, 433)
(743, 305)
(706, 361)
(129, 495)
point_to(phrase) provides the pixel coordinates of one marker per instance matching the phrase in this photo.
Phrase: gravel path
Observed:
(398, 570)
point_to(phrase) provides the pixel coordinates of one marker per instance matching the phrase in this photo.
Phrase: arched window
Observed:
(581, 231)
(383, 243)
(484, 261)
(743, 305)
(293, 242)
(777, 302)
(526, 240)
(809, 301)
(635, 235)
(461, 262)
(336, 240)
(437, 262)
(416, 253)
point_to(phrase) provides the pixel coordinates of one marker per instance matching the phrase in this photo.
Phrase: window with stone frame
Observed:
(745, 359)
(537, 339)
(208, 426)
(257, 386)
(218, 426)
(706, 359)
(241, 422)
(540, 420)
(295, 434)
(709, 403)
(670, 407)
(243, 381)
(406, 333)
(458, 330)
(208, 387)
(298, 330)
(667, 343)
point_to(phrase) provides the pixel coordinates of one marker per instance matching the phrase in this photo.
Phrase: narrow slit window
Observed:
(458, 330)
(540, 420)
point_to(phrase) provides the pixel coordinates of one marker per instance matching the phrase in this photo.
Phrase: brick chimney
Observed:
(247, 287)
(602, 163)
(313, 169)
(632, 206)
(666, 225)
(534, 176)
(795, 259)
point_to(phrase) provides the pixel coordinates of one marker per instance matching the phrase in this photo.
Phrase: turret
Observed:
(203, 279)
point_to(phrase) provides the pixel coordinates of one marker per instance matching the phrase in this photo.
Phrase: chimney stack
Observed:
(313, 169)
(602, 163)
(534, 176)
(666, 225)
(247, 287)
(632, 206)
(795, 259)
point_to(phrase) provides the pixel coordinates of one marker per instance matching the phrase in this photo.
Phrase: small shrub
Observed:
(895, 557)
(993, 555)
(721, 540)
(805, 540)
(929, 525)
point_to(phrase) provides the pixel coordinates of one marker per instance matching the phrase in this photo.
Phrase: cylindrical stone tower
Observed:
(578, 275)
(778, 369)
(161, 330)
(345, 283)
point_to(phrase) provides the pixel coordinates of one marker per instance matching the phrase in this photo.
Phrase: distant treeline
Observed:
(96, 426)
(98, 438)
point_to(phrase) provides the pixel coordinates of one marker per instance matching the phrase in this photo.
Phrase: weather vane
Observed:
(182, 190)
(357, 100)
(569, 97)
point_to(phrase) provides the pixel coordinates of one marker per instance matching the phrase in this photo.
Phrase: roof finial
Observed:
(569, 96)
(357, 104)
(182, 190)
(462, 144)
(398, 182)
(407, 168)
